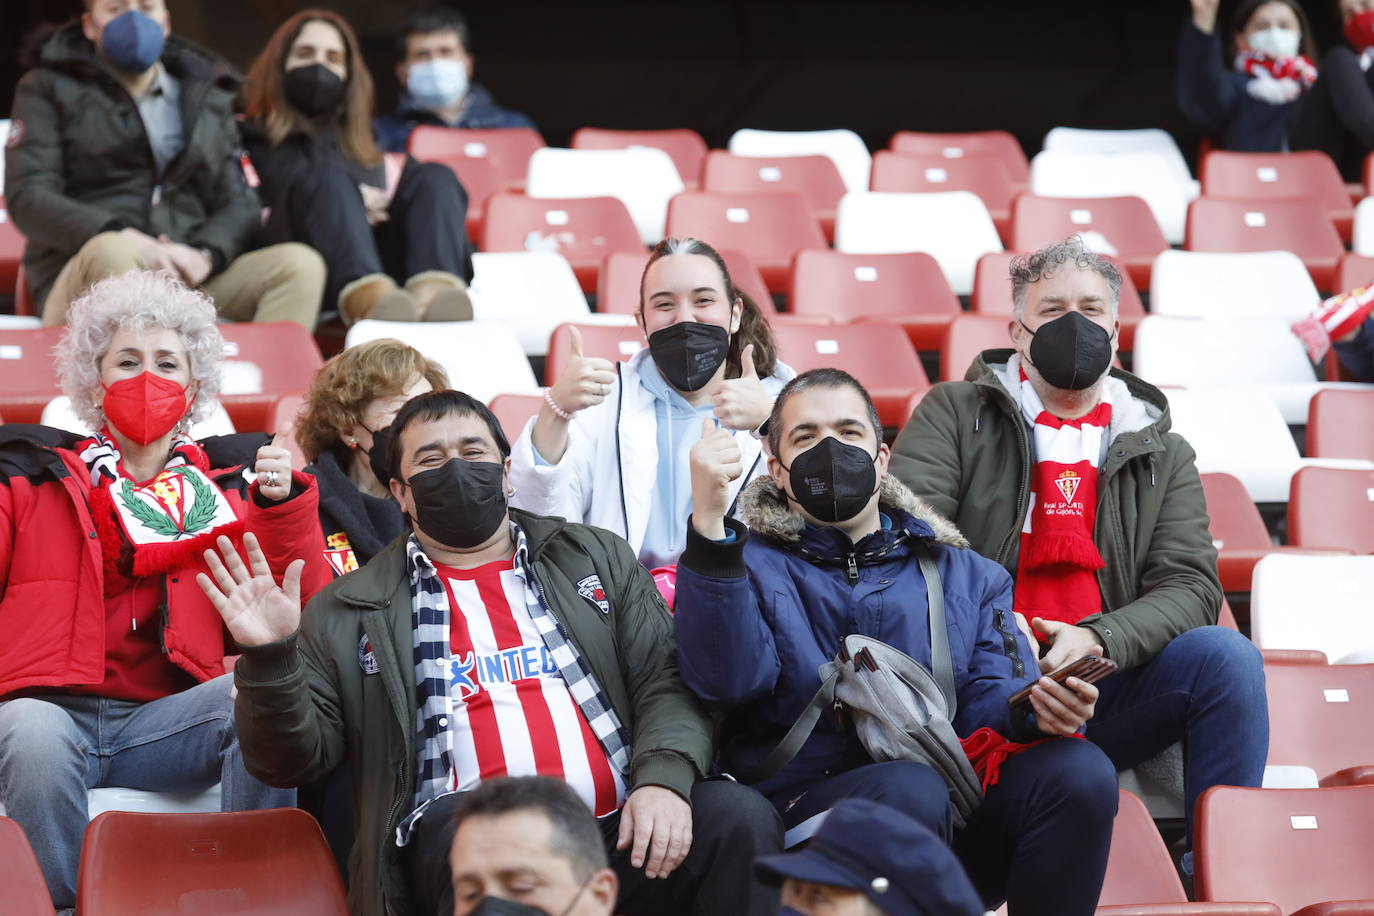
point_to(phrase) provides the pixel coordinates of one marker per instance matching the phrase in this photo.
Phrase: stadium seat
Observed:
(262, 362)
(1319, 717)
(685, 147)
(1122, 227)
(618, 289)
(643, 179)
(770, 227)
(1291, 847)
(1340, 424)
(23, 301)
(58, 414)
(1333, 508)
(615, 342)
(815, 178)
(968, 336)
(19, 872)
(506, 150)
(273, 861)
(583, 230)
(531, 292)
(1363, 233)
(28, 378)
(482, 358)
(1237, 285)
(904, 289)
(282, 419)
(844, 146)
(1352, 272)
(1150, 141)
(513, 411)
(954, 227)
(1139, 868)
(1316, 603)
(1299, 226)
(877, 354)
(11, 249)
(981, 175)
(1149, 176)
(1276, 176)
(990, 144)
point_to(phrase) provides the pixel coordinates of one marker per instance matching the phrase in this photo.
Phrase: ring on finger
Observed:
(270, 478)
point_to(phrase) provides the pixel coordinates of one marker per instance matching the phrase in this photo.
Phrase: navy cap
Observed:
(896, 862)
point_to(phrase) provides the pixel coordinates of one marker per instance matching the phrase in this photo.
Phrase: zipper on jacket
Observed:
(1022, 496)
(851, 567)
(1018, 667)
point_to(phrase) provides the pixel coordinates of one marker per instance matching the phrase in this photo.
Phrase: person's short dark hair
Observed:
(818, 378)
(436, 405)
(431, 20)
(576, 836)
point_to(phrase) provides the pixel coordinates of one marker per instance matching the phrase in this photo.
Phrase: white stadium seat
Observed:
(844, 147)
(953, 227)
(1236, 285)
(1148, 176)
(482, 358)
(643, 179)
(531, 292)
(1315, 602)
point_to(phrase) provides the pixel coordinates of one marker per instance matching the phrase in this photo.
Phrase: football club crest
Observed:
(177, 505)
(338, 553)
(1068, 482)
(590, 588)
(367, 659)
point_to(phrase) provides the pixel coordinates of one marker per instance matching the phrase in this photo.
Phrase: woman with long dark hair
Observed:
(395, 244)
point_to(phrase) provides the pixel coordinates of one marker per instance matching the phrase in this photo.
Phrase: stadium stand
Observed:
(685, 147)
(1332, 507)
(584, 230)
(815, 178)
(1297, 225)
(1146, 175)
(981, 175)
(770, 227)
(990, 144)
(1121, 227)
(513, 411)
(483, 358)
(1279, 176)
(616, 343)
(643, 179)
(877, 353)
(1340, 424)
(531, 292)
(1319, 717)
(617, 290)
(845, 147)
(19, 873)
(1238, 285)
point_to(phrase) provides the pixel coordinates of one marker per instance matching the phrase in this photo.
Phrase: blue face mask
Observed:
(437, 83)
(132, 42)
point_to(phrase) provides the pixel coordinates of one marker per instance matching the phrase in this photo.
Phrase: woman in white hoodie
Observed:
(610, 445)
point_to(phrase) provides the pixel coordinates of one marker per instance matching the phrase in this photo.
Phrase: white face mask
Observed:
(1275, 42)
(437, 83)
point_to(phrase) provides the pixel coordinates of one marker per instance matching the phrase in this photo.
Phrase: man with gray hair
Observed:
(1064, 470)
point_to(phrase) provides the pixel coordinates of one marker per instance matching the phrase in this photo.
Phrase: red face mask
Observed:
(146, 407)
(1359, 31)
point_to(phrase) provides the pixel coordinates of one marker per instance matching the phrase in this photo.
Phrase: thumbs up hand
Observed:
(273, 468)
(715, 462)
(585, 381)
(742, 403)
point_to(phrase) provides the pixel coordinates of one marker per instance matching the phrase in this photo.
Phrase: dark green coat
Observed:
(78, 162)
(966, 451)
(304, 705)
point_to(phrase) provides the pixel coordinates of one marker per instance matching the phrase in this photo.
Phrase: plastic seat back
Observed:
(1273, 176)
(617, 291)
(616, 343)
(954, 227)
(1238, 431)
(1340, 424)
(770, 227)
(907, 289)
(1319, 717)
(273, 861)
(1299, 226)
(1314, 602)
(1184, 352)
(28, 377)
(584, 230)
(968, 336)
(1149, 176)
(20, 875)
(876, 353)
(1139, 868)
(989, 144)
(1239, 285)
(1233, 518)
(815, 178)
(1333, 508)
(1122, 227)
(514, 411)
(1353, 271)
(685, 147)
(262, 362)
(506, 150)
(982, 175)
(482, 358)
(1148, 141)
(531, 292)
(12, 244)
(845, 147)
(643, 179)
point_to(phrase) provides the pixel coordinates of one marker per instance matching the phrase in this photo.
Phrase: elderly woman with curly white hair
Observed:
(112, 664)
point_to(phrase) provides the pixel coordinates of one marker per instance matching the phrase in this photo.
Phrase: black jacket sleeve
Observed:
(1207, 94)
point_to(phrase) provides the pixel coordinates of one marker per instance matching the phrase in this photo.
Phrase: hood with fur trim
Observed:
(764, 508)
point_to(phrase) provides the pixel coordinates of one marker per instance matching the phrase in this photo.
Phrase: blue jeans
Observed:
(53, 748)
(1206, 689)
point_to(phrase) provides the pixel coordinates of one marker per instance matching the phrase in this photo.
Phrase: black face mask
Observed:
(1070, 352)
(313, 90)
(689, 353)
(379, 456)
(498, 906)
(460, 503)
(833, 480)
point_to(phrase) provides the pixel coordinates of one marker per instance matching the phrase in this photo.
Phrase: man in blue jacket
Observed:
(830, 551)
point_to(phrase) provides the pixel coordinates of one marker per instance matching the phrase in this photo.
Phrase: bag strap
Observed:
(941, 662)
(796, 736)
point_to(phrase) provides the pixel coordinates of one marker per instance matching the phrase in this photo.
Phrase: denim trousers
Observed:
(53, 748)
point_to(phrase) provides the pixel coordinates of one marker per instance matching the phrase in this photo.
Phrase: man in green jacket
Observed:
(1066, 472)
(123, 153)
(489, 642)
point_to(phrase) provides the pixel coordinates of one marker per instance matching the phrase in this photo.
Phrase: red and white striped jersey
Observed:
(513, 715)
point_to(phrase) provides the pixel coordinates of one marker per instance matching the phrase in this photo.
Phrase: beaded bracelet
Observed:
(553, 405)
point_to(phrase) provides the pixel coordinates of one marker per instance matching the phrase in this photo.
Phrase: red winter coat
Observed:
(52, 604)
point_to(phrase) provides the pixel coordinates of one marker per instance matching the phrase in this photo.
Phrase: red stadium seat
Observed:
(982, 175)
(1126, 222)
(513, 411)
(273, 861)
(877, 354)
(1299, 226)
(20, 875)
(1291, 847)
(815, 178)
(23, 301)
(11, 248)
(1332, 508)
(685, 147)
(769, 227)
(1277, 176)
(905, 289)
(1319, 717)
(616, 343)
(617, 290)
(1340, 424)
(994, 144)
(1139, 869)
(28, 378)
(281, 358)
(1352, 272)
(968, 336)
(485, 161)
(583, 229)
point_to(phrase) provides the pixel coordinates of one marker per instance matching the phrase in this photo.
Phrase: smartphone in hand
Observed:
(1089, 669)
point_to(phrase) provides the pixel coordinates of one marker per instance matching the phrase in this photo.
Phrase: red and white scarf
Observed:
(1276, 79)
(1056, 570)
(1333, 319)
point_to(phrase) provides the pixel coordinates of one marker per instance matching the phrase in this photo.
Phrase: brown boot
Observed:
(441, 296)
(376, 296)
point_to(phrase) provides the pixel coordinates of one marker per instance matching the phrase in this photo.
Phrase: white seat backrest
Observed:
(1250, 284)
(952, 226)
(531, 292)
(1144, 175)
(1189, 352)
(1364, 228)
(642, 178)
(1238, 431)
(844, 147)
(1313, 602)
(58, 414)
(1150, 140)
(17, 322)
(482, 358)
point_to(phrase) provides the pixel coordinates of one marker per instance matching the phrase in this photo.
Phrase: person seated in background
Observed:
(123, 153)
(610, 446)
(1065, 471)
(513, 644)
(112, 671)
(868, 859)
(309, 136)
(528, 845)
(1337, 116)
(833, 548)
(1243, 87)
(435, 71)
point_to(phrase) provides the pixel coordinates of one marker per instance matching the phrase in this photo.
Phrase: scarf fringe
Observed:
(1056, 548)
(987, 751)
(156, 559)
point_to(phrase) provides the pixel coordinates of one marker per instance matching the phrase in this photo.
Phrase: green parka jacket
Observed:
(305, 704)
(966, 450)
(78, 161)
